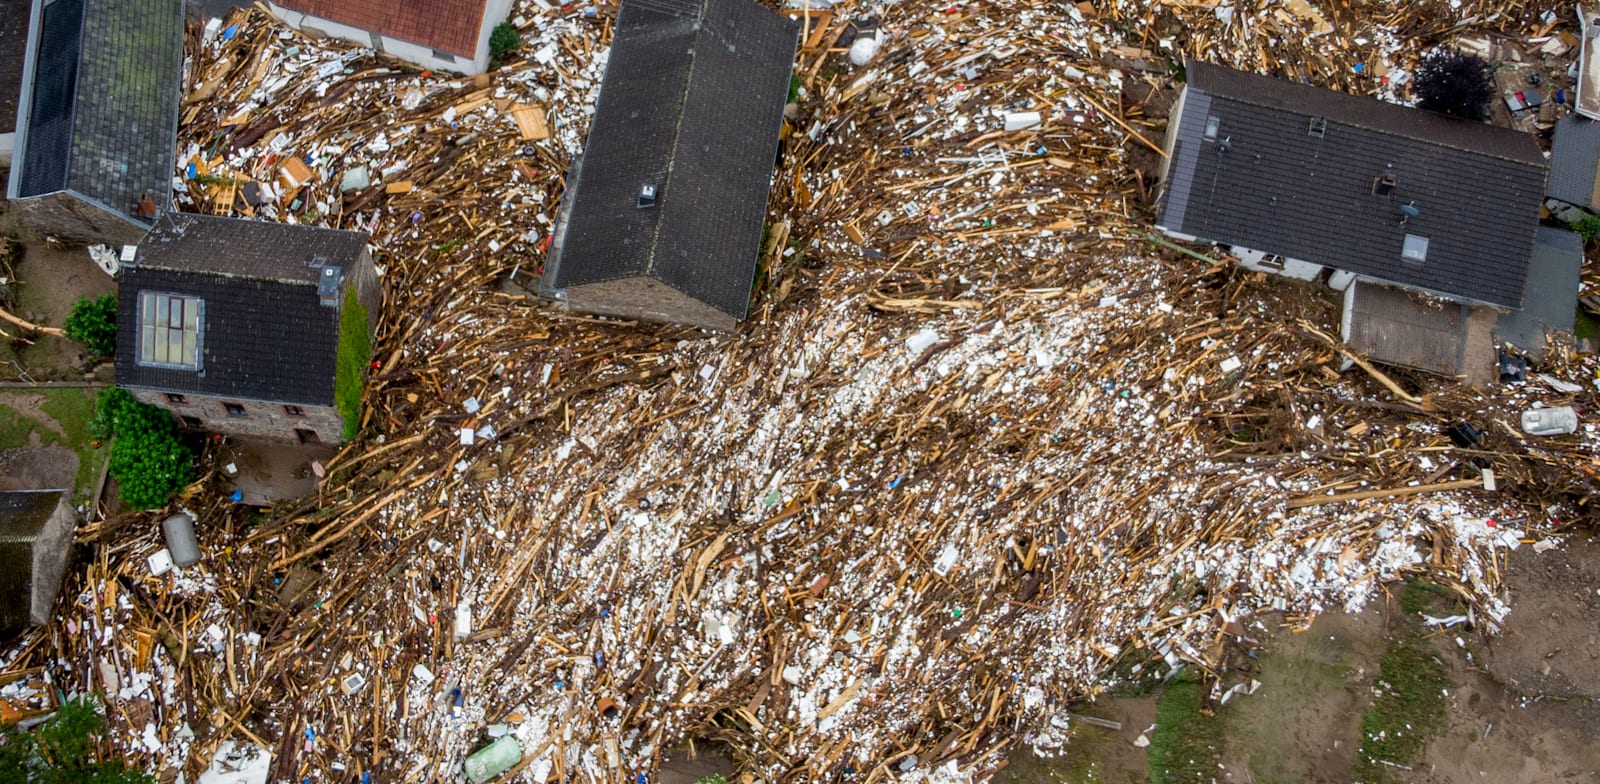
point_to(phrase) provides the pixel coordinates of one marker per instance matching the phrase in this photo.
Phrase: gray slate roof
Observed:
(102, 109)
(1276, 187)
(1574, 158)
(1550, 301)
(692, 101)
(265, 334)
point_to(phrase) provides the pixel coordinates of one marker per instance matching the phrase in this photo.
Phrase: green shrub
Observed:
(93, 322)
(148, 461)
(503, 41)
(1587, 227)
(355, 351)
(62, 751)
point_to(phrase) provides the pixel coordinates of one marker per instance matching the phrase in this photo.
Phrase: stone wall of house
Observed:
(261, 419)
(75, 220)
(646, 299)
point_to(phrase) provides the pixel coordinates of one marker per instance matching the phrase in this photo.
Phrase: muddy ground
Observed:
(48, 282)
(1521, 706)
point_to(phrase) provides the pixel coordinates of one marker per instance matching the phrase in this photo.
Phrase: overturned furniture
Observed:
(248, 327)
(662, 216)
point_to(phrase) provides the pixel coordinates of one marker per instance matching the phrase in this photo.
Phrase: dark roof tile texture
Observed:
(1269, 184)
(186, 242)
(104, 110)
(265, 334)
(692, 101)
(447, 25)
(13, 49)
(1574, 158)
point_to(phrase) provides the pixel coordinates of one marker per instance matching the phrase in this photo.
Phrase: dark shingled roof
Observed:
(23, 513)
(265, 334)
(1574, 159)
(13, 49)
(447, 25)
(102, 115)
(692, 102)
(1268, 183)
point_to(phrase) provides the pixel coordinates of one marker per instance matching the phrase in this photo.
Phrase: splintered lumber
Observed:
(1392, 492)
(890, 521)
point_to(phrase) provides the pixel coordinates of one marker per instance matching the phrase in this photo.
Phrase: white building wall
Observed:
(1276, 265)
(415, 54)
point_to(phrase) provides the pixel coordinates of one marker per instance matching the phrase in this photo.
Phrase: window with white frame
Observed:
(169, 330)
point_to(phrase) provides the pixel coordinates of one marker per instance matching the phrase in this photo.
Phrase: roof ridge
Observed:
(701, 7)
(1386, 131)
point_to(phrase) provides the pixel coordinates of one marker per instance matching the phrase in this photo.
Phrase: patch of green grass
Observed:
(1408, 708)
(1185, 743)
(1422, 596)
(1585, 325)
(71, 408)
(355, 351)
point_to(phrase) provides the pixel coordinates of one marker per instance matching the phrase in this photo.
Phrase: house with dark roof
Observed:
(248, 327)
(1300, 180)
(97, 118)
(35, 538)
(443, 35)
(13, 46)
(662, 216)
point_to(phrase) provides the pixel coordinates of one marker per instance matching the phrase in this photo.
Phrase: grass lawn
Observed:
(1411, 682)
(71, 408)
(1186, 742)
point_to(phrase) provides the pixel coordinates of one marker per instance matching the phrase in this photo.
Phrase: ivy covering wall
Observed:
(355, 351)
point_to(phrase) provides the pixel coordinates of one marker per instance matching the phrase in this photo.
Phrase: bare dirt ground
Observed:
(50, 281)
(31, 468)
(1521, 705)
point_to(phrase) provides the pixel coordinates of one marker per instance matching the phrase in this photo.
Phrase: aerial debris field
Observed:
(981, 440)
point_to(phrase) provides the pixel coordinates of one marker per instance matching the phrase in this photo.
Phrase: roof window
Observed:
(1319, 126)
(647, 195)
(169, 330)
(1414, 249)
(1213, 125)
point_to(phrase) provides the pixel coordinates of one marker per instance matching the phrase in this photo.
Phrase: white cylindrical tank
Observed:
(179, 531)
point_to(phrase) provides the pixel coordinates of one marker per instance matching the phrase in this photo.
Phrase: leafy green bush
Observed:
(503, 41)
(1587, 227)
(93, 322)
(148, 461)
(355, 351)
(62, 751)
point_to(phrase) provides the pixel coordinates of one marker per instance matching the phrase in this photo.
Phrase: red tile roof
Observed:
(447, 25)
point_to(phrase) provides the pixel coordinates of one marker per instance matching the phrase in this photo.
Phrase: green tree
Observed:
(93, 322)
(148, 461)
(503, 41)
(63, 750)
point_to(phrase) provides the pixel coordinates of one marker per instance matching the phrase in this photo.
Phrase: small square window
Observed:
(1318, 126)
(176, 399)
(1415, 249)
(294, 411)
(1213, 126)
(234, 409)
(193, 423)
